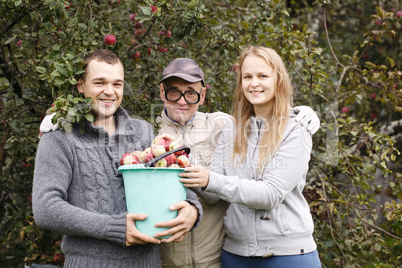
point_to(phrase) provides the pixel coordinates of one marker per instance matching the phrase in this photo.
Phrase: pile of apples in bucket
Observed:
(160, 145)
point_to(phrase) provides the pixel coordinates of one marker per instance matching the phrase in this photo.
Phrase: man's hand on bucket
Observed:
(181, 225)
(135, 237)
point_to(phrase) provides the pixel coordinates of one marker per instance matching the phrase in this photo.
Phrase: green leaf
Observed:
(59, 81)
(68, 127)
(41, 69)
(192, 4)
(90, 117)
(146, 10)
(61, 68)
(391, 61)
(9, 40)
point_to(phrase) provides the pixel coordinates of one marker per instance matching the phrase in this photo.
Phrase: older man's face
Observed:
(181, 111)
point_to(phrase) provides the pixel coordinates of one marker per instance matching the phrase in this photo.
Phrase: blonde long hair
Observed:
(243, 110)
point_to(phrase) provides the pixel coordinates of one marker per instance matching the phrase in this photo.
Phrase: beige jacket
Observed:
(203, 246)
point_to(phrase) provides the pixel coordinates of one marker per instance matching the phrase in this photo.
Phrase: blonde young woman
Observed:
(260, 168)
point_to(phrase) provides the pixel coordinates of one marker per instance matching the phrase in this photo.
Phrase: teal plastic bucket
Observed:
(151, 190)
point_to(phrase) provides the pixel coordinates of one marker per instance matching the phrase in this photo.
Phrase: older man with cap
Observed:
(182, 89)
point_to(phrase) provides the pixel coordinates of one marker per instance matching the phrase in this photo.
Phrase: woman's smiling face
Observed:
(258, 84)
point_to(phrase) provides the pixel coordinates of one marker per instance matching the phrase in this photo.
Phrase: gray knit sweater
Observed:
(78, 192)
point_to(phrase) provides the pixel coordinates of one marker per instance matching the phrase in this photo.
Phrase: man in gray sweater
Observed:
(78, 191)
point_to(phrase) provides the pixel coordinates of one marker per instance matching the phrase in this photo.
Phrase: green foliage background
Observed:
(339, 54)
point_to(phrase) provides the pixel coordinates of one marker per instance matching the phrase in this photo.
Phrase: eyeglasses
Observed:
(174, 95)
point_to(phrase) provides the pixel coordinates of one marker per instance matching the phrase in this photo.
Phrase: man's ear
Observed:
(161, 92)
(80, 85)
(203, 94)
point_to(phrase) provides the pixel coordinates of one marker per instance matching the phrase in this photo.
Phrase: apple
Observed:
(157, 150)
(162, 49)
(136, 55)
(162, 141)
(162, 32)
(171, 159)
(149, 50)
(19, 43)
(399, 14)
(112, 2)
(138, 25)
(138, 32)
(146, 155)
(128, 159)
(373, 96)
(378, 22)
(161, 163)
(345, 109)
(168, 33)
(153, 8)
(174, 145)
(132, 16)
(183, 161)
(174, 166)
(109, 39)
(373, 115)
(136, 153)
(123, 157)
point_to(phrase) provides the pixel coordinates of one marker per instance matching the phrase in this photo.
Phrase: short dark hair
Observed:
(102, 55)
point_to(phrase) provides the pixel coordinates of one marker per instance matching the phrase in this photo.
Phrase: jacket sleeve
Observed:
(193, 200)
(286, 171)
(216, 166)
(54, 170)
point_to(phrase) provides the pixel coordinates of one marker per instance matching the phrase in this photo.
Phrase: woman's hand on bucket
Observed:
(181, 225)
(135, 237)
(195, 176)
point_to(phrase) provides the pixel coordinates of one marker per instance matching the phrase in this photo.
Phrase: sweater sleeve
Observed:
(54, 168)
(216, 166)
(285, 172)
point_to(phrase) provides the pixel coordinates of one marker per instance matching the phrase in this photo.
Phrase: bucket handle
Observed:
(152, 162)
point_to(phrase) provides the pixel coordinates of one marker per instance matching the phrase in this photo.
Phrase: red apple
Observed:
(162, 141)
(168, 33)
(19, 43)
(146, 155)
(162, 32)
(110, 39)
(174, 145)
(373, 96)
(138, 25)
(162, 49)
(149, 50)
(183, 161)
(378, 22)
(128, 159)
(174, 166)
(345, 109)
(157, 150)
(132, 16)
(373, 115)
(153, 8)
(112, 2)
(123, 157)
(399, 14)
(136, 153)
(171, 159)
(138, 32)
(136, 55)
